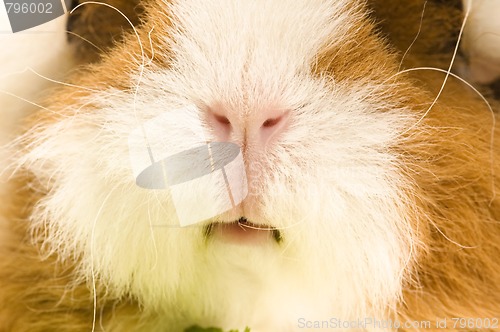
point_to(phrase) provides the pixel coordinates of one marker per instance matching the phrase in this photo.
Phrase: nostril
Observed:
(276, 121)
(271, 122)
(273, 126)
(220, 124)
(222, 119)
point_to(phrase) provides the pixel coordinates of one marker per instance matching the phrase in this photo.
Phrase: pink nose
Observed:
(259, 128)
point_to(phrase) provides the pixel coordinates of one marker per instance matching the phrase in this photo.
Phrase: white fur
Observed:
(339, 214)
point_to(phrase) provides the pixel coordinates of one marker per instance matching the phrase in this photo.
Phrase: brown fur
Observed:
(93, 29)
(437, 24)
(447, 157)
(40, 292)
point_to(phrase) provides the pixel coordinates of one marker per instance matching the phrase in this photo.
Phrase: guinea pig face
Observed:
(306, 92)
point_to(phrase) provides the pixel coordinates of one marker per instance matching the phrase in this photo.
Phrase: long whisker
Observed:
(150, 220)
(86, 40)
(416, 37)
(135, 112)
(142, 66)
(151, 46)
(92, 267)
(30, 69)
(490, 108)
(25, 100)
(448, 72)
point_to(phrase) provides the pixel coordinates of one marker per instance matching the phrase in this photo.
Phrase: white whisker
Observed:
(92, 268)
(25, 100)
(86, 40)
(448, 73)
(493, 119)
(416, 37)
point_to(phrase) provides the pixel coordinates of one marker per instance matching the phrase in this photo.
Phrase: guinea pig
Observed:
(277, 165)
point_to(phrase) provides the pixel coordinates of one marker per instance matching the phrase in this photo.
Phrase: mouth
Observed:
(242, 231)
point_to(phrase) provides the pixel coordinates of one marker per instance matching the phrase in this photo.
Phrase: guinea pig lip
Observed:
(243, 222)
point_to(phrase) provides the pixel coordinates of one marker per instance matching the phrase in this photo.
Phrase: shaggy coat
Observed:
(385, 188)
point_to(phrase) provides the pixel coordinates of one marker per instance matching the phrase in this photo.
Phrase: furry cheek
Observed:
(343, 204)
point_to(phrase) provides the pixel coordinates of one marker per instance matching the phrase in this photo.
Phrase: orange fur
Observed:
(448, 157)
